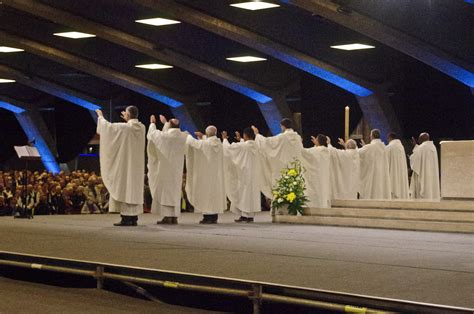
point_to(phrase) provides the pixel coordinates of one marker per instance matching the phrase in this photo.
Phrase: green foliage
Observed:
(289, 190)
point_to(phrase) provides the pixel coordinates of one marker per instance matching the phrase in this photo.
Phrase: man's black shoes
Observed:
(127, 221)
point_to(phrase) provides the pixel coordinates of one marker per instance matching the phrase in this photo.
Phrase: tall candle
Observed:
(346, 123)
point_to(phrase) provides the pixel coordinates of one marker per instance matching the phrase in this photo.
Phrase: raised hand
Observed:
(237, 136)
(99, 113)
(224, 135)
(255, 130)
(163, 119)
(314, 140)
(124, 116)
(341, 142)
(413, 141)
(328, 140)
(362, 142)
(152, 119)
(198, 134)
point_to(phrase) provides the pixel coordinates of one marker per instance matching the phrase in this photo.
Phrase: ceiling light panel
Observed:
(2, 81)
(74, 35)
(246, 59)
(154, 66)
(350, 47)
(158, 21)
(5, 49)
(254, 5)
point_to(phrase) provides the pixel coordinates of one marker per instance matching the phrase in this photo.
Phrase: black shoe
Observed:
(174, 220)
(249, 220)
(241, 219)
(127, 221)
(166, 221)
(207, 220)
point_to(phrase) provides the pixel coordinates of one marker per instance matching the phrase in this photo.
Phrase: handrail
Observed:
(256, 292)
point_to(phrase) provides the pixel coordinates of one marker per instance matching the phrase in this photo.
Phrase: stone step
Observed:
(467, 205)
(378, 223)
(407, 214)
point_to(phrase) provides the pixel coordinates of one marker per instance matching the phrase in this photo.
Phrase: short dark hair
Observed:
(132, 111)
(322, 139)
(287, 123)
(393, 135)
(375, 133)
(250, 133)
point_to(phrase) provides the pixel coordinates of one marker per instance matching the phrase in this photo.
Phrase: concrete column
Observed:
(273, 111)
(379, 113)
(35, 129)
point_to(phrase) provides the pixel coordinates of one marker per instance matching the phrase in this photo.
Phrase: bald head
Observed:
(174, 123)
(351, 144)
(424, 137)
(211, 131)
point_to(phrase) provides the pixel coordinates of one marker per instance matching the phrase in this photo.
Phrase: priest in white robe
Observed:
(166, 149)
(374, 170)
(205, 185)
(122, 164)
(424, 163)
(345, 171)
(397, 163)
(317, 162)
(243, 175)
(279, 150)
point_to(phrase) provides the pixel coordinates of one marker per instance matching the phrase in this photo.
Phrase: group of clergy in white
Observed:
(218, 170)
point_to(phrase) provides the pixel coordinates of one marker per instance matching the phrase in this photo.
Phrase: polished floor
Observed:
(417, 266)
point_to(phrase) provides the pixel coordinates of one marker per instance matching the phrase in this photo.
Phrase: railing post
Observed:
(256, 297)
(99, 276)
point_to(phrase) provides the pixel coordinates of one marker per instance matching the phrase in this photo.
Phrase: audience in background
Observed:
(48, 194)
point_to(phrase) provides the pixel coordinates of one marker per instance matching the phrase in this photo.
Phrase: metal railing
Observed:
(256, 292)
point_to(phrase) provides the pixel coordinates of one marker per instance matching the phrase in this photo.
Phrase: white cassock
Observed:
(244, 177)
(425, 178)
(397, 164)
(374, 173)
(345, 173)
(122, 164)
(278, 150)
(317, 163)
(166, 151)
(205, 185)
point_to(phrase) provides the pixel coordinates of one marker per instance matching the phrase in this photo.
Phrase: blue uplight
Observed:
(272, 116)
(161, 98)
(76, 100)
(11, 107)
(32, 132)
(324, 74)
(185, 119)
(253, 94)
(469, 1)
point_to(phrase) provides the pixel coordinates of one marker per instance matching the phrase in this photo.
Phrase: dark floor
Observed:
(418, 266)
(29, 297)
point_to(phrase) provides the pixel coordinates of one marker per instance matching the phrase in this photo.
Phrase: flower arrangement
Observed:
(289, 189)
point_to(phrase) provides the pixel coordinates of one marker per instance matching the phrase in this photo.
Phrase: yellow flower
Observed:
(291, 197)
(292, 172)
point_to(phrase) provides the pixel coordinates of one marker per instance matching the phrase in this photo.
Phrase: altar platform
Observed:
(443, 216)
(429, 267)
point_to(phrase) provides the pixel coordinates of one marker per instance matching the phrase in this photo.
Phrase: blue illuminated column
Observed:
(32, 132)
(185, 119)
(272, 116)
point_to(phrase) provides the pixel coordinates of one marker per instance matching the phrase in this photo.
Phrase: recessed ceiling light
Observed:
(6, 81)
(353, 47)
(158, 21)
(154, 66)
(246, 59)
(74, 35)
(254, 5)
(9, 49)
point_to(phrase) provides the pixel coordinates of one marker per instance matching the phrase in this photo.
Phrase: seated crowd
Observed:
(43, 193)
